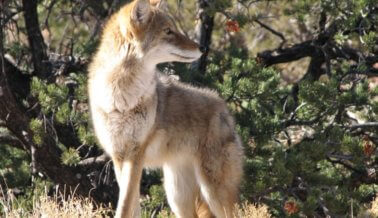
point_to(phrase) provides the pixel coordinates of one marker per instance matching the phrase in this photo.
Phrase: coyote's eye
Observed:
(168, 31)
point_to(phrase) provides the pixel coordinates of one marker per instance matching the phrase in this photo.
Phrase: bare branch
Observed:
(6, 138)
(364, 125)
(99, 160)
(296, 52)
(274, 32)
(344, 164)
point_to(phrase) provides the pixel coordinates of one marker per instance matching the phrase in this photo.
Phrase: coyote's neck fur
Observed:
(122, 76)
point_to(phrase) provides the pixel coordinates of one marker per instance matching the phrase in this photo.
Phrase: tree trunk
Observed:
(204, 31)
(35, 39)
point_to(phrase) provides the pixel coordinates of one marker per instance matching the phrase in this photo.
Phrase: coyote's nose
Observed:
(202, 49)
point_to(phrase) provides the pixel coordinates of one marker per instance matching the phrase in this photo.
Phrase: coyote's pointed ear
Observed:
(141, 12)
(161, 4)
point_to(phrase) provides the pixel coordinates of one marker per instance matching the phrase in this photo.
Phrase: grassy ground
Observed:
(45, 206)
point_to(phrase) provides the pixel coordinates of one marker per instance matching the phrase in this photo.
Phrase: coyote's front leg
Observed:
(129, 176)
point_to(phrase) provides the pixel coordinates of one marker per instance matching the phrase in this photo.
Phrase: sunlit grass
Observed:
(52, 206)
(44, 206)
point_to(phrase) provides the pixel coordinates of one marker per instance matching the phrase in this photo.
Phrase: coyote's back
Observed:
(145, 119)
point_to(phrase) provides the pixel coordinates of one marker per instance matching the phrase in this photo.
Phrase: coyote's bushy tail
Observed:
(202, 208)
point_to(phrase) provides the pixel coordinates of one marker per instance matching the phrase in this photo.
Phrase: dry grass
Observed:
(252, 210)
(372, 211)
(374, 207)
(45, 206)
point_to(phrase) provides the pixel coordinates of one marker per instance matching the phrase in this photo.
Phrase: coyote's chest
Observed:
(127, 123)
(120, 132)
(123, 104)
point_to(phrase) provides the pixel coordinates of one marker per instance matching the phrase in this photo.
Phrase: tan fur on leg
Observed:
(129, 189)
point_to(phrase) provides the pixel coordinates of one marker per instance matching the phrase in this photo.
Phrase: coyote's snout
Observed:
(144, 119)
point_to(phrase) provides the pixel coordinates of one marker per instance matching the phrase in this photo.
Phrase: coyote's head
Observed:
(153, 35)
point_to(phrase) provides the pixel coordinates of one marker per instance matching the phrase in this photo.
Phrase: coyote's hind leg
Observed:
(219, 178)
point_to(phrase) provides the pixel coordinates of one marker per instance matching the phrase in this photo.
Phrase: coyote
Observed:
(145, 119)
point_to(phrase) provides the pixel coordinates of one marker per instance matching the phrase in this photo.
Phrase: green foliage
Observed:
(16, 49)
(14, 167)
(63, 113)
(86, 136)
(369, 40)
(157, 196)
(55, 100)
(253, 92)
(70, 157)
(36, 126)
(155, 201)
(50, 96)
(55, 103)
(81, 90)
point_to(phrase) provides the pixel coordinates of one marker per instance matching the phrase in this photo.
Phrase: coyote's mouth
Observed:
(184, 57)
